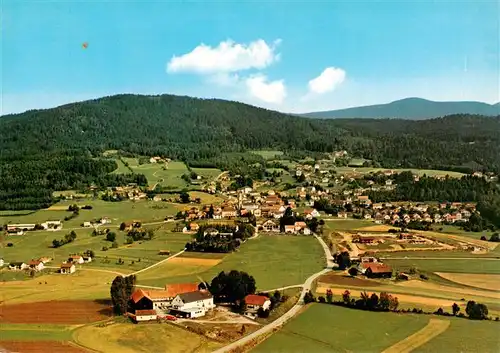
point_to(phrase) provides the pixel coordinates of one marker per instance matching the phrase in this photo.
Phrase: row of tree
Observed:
(68, 238)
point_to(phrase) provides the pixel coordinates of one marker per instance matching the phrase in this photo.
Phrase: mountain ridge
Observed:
(411, 108)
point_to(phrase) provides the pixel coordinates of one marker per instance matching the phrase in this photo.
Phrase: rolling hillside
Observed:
(61, 148)
(412, 109)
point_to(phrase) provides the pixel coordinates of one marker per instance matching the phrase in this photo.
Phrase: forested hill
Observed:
(62, 147)
(193, 129)
(411, 108)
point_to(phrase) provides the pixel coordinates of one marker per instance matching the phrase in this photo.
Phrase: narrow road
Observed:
(282, 288)
(150, 287)
(290, 313)
(156, 264)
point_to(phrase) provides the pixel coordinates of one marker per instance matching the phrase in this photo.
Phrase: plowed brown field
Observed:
(55, 312)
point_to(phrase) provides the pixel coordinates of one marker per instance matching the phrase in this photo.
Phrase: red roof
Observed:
(145, 312)
(378, 268)
(170, 291)
(67, 265)
(34, 262)
(253, 299)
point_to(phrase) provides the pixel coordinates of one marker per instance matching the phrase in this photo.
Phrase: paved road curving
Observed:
(290, 313)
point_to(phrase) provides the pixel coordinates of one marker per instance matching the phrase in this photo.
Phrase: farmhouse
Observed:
(290, 229)
(23, 227)
(364, 239)
(52, 225)
(76, 259)
(342, 215)
(255, 302)
(67, 268)
(145, 315)
(17, 266)
(270, 226)
(301, 227)
(378, 270)
(45, 259)
(86, 258)
(159, 299)
(192, 304)
(310, 213)
(35, 265)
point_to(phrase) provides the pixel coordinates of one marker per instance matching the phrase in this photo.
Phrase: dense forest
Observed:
(61, 148)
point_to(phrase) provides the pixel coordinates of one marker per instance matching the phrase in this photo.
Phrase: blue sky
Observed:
(284, 55)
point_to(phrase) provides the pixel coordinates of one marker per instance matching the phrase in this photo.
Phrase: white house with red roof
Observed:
(255, 302)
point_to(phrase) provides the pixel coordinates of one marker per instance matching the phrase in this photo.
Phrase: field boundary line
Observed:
(156, 264)
(434, 328)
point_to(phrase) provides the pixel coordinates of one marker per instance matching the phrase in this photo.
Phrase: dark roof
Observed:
(195, 296)
(16, 263)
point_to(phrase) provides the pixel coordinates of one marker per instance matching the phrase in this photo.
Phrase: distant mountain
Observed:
(411, 109)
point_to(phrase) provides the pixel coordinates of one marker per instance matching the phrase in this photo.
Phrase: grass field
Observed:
(346, 224)
(448, 229)
(122, 168)
(329, 328)
(146, 211)
(156, 173)
(274, 261)
(267, 154)
(79, 285)
(34, 332)
(144, 337)
(34, 245)
(448, 265)
(465, 336)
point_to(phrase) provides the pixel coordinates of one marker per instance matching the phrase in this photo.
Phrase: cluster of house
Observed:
(272, 226)
(391, 213)
(372, 267)
(186, 300)
(20, 229)
(100, 222)
(270, 205)
(36, 265)
(131, 192)
(68, 267)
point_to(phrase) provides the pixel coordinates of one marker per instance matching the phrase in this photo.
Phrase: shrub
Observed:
(10, 245)
(114, 245)
(424, 277)
(104, 248)
(321, 299)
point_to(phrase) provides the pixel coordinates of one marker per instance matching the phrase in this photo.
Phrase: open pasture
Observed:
(117, 212)
(274, 261)
(348, 281)
(335, 224)
(458, 265)
(359, 331)
(128, 338)
(491, 282)
(85, 284)
(268, 154)
(465, 336)
(40, 346)
(55, 312)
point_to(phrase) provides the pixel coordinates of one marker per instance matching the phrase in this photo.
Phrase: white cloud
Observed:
(228, 56)
(327, 81)
(268, 91)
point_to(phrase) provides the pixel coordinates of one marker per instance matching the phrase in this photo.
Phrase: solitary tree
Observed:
(455, 308)
(329, 296)
(111, 236)
(353, 271)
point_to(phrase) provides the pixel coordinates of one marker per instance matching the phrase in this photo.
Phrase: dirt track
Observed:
(433, 329)
(195, 261)
(55, 312)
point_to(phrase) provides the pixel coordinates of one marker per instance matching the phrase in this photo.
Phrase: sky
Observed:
(291, 56)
